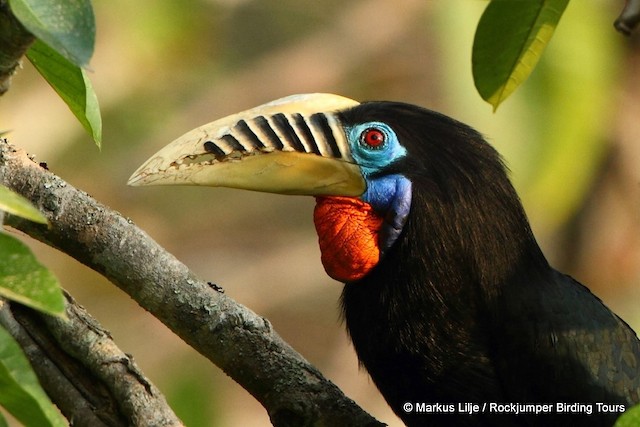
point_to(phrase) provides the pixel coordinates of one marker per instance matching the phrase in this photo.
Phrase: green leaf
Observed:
(509, 41)
(630, 418)
(15, 204)
(71, 83)
(3, 421)
(25, 280)
(21, 393)
(67, 26)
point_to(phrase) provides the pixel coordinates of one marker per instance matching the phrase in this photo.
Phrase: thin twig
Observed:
(81, 337)
(76, 392)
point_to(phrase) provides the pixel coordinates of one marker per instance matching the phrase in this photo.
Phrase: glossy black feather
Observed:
(464, 307)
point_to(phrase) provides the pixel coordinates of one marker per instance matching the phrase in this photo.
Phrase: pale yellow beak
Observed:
(294, 145)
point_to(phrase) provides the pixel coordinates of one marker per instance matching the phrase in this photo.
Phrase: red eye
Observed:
(373, 138)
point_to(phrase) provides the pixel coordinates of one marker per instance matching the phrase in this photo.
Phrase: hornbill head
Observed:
(351, 156)
(361, 161)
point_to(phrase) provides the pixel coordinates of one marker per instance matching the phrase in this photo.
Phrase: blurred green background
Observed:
(570, 135)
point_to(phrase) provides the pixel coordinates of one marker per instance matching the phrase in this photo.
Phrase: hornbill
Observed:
(448, 298)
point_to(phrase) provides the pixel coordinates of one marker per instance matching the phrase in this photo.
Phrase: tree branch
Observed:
(83, 401)
(93, 383)
(15, 40)
(241, 343)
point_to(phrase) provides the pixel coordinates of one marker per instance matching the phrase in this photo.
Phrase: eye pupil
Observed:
(373, 138)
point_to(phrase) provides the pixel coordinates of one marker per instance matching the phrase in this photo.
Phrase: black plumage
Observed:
(464, 306)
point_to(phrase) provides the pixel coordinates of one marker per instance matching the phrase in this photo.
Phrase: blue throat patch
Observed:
(390, 197)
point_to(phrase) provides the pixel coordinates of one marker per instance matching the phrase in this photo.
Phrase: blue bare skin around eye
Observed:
(374, 159)
(390, 197)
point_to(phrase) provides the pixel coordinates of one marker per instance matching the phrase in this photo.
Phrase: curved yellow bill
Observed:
(294, 145)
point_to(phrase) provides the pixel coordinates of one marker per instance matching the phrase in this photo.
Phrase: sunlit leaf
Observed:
(25, 280)
(15, 204)
(71, 83)
(21, 393)
(67, 26)
(631, 418)
(509, 41)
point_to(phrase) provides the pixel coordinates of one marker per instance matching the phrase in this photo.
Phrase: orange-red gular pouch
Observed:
(348, 236)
